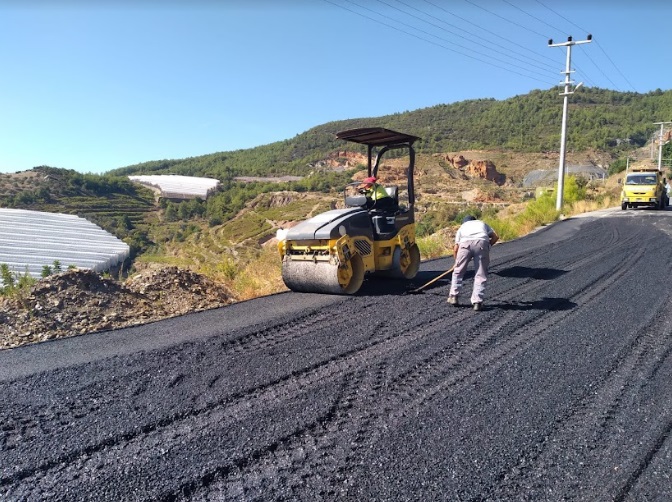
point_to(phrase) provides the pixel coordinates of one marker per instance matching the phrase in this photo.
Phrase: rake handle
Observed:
(435, 279)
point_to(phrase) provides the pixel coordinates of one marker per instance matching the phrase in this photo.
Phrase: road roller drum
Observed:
(322, 276)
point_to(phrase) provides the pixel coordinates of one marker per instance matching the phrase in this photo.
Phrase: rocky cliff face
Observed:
(477, 169)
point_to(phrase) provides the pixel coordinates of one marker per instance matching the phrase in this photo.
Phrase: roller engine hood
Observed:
(355, 220)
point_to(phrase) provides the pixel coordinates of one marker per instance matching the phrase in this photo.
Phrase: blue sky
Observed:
(96, 85)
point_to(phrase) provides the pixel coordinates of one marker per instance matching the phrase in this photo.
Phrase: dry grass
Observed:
(585, 206)
(260, 277)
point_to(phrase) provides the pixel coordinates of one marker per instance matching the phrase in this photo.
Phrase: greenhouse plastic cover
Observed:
(29, 240)
(174, 186)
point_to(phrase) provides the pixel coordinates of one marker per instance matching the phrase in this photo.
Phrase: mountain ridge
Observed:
(602, 120)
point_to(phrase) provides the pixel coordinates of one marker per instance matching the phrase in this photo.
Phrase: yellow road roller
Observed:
(333, 251)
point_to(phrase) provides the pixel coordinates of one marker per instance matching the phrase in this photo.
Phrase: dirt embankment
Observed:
(81, 301)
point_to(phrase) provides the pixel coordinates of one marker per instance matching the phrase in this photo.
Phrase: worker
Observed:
(376, 195)
(472, 241)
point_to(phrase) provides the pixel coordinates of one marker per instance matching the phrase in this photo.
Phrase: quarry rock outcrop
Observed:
(484, 169)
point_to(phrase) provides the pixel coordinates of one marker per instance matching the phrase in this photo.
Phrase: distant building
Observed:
(173, 186)
(30, 240)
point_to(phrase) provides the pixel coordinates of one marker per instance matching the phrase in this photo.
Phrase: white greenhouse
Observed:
(173, 186)
(29, 240)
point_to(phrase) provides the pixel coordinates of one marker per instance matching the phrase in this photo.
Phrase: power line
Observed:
(548, 69)
(600, 70)
(489, 32)
(560, 15)
(614, 64)
(585, 31)
(520, 25)
(596, 43)
(531, 65)
(660, 143)
(533, 17)
(430, 41)
(427, 33)
(586, 78)
(507, 20)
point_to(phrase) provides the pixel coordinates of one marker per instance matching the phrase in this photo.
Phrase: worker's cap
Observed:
(368, 181)
(468, 218)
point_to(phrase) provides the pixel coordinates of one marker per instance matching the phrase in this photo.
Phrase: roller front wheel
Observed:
(324, 277)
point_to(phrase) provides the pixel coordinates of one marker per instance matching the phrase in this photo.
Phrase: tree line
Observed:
(598, 119)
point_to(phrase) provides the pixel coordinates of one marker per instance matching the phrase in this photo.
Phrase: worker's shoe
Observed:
(478, 306)
(452, 299)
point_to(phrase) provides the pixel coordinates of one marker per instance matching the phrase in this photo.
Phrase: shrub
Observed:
(14, 283)
(434, 246)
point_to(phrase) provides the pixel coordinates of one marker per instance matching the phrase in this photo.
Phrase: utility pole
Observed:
(563, 136)
(660, 143)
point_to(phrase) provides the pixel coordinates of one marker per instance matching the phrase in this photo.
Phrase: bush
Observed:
(14, 283)
(434, 246)
(618, 166)
(575, 189)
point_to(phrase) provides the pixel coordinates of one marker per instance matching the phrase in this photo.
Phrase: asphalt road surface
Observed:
(561, 389)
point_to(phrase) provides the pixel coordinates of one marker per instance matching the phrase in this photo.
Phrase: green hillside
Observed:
(225, 236)
(599, 119)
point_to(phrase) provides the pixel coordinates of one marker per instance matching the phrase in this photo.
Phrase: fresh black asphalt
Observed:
(559, 390)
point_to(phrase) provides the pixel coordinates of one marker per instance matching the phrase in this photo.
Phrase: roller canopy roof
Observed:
(376, 136)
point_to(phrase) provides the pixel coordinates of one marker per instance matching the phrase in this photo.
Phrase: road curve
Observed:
(558, 390)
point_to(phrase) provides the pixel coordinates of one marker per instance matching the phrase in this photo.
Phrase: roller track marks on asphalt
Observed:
(15, 472)
(449, 367)
(559, 384)
(93, 453)
(612, 447)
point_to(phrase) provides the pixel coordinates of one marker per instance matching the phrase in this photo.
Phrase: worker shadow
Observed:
(547, 304)
(545, 274)
(389, 286)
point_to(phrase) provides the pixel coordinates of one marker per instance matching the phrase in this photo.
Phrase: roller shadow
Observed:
(384, 286)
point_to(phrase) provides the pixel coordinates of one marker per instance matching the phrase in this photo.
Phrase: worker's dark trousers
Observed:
(479, 250)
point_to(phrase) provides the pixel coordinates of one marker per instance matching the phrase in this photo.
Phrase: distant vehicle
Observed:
(332, 252)
(644, 187)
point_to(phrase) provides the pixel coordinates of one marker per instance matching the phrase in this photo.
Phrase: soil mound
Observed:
(81, 301)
